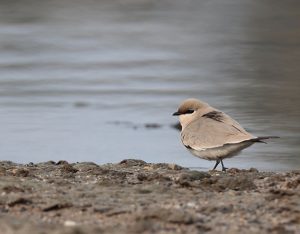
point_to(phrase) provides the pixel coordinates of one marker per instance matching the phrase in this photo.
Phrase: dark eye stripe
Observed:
(190, 111)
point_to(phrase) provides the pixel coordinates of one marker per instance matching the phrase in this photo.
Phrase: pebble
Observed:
(70, 223)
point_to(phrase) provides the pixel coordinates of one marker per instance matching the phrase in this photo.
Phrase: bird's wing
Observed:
(213, 129)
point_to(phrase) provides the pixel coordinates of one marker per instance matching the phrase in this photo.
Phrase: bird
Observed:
(210, 134)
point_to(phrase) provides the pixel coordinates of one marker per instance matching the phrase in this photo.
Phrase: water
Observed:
(80, 79)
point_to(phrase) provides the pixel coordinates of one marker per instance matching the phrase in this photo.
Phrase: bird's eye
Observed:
(189, 111)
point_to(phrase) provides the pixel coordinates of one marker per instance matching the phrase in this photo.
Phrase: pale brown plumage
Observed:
(210, 134)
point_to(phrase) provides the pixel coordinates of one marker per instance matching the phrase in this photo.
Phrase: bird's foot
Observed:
(223, 167)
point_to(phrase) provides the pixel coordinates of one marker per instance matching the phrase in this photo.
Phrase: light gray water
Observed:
(79, 79)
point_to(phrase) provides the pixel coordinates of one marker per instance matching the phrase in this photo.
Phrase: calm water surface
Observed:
(80, 79)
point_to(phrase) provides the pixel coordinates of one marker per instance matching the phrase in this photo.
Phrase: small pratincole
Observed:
(211, 134)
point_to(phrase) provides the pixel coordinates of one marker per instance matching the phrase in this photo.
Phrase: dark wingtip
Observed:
(261, 139)
(267, 137)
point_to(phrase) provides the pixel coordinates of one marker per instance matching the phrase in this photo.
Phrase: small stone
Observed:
(70, 223)
(102, 209)
(67, 168)
(233, 170)
(292, 184)
(117, 211)
(62, 162)
(253, 170)
(185, 178)
(180, 217)
(49, 163)
(281, 192)
(57, 206)
(175, 167)
(141, 177)
(144, 190)
(18, 201)
(175, 216)
(31, 164)
(12, 189)
(21, 172)
(133, 162)
(198, 175)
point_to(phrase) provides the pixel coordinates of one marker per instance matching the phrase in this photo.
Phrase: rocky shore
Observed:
(138, 197)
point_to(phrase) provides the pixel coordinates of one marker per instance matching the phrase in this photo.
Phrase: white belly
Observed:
(226, 151)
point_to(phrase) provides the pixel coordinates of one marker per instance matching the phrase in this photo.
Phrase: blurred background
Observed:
(88, 80)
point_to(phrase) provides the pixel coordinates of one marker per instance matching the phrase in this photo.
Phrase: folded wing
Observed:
(213, 129)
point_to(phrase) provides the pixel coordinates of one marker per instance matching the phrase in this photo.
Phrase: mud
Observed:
(138, 197)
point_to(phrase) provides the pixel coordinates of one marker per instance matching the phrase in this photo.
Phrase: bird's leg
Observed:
(223, 168)
(217, 163)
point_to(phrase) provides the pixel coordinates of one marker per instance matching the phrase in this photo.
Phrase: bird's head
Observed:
(188, 110)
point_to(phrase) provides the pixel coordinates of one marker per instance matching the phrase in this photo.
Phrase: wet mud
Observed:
(138, 197)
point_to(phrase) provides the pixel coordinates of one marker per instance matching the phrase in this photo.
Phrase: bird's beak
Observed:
(176, 113)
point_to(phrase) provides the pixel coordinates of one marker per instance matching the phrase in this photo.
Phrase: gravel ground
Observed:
(138, 197)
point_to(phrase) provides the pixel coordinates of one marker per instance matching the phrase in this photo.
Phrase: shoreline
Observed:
(138, 197)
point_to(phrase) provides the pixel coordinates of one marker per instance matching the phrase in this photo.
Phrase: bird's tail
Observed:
(261, 139)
